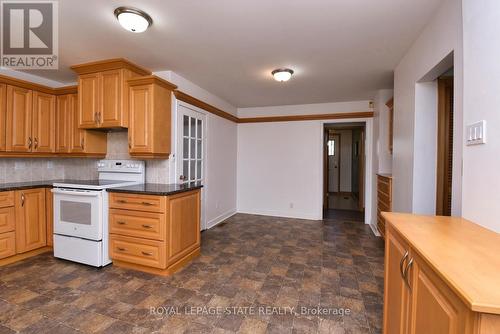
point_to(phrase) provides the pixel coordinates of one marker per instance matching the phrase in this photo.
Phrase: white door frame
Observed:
(369, 168)
(175, 173)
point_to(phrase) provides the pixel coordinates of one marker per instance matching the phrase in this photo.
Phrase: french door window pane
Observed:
(186, 148)
(193, 152)
(198, 149)
(186, 126)
(198, 169)
(193, 128)
(199, 129)
(185, 168)
(192, 174)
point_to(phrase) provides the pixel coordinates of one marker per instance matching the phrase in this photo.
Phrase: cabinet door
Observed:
(77, 135)
(31, 232)
(3, 115)
(18, 119)
(434, 309)
(63, 124)
(396, 295)
(44, 120)
(49, 209)
(88, 100)
(183, 224)
(140, 131)
(110, 98)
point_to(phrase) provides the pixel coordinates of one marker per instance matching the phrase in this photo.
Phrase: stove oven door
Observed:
(78, 213)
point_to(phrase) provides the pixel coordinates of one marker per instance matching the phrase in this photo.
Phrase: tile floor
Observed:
(249, 262)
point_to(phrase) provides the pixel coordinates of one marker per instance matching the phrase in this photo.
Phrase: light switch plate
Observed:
(476, 133)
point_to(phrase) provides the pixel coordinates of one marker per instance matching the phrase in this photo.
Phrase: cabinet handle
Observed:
(406, 271)
(147, 254)
(22, 199)
(401, 264)
(36, 143)
(82, 143)
(121, 223)
(99, 117)
(147, 226)
(95, 117)
(121, 249)
(30, 143)
(147, 203)
(121, 201)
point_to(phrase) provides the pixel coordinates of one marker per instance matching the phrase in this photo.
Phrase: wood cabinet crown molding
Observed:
(109, 64)
(34, 86)
(151, 79)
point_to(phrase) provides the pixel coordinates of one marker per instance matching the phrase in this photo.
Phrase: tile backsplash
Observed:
(34, 169)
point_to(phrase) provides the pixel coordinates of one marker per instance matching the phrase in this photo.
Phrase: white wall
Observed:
(381, 131)
(481, 179)
(441, 36)
(280, 165)
(305, 109)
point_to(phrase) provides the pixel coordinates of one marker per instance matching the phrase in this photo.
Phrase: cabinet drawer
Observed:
(384, 185)
(144, 252)
(7, 244)
(149, 203)
(6, 199)
(137, 224)
(7, 220)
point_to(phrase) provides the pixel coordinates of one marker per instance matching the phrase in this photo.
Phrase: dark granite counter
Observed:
(157, 188)
(26, 185)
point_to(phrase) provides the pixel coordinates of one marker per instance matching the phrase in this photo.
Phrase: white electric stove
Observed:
(81, 211)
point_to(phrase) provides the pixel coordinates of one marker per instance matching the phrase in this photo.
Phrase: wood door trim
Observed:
(109, 64)
(294, 118)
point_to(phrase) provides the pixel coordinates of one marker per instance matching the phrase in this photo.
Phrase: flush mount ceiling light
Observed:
(282, 74)
(133, 19)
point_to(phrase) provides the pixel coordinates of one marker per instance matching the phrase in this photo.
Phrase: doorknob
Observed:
(183, 178)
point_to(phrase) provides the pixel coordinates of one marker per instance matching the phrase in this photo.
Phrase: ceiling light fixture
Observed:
(282, 74)
(133, 19)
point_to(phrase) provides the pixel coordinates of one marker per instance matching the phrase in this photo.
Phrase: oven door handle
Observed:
(76, 193)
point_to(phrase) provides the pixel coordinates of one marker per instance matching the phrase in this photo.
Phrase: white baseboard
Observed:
(282, 214)
(375, 230)
(219, 219)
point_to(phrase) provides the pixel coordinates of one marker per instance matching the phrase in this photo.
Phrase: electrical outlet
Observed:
(291, 205)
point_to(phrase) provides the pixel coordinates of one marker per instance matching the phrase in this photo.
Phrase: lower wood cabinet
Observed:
(384, 199)
(417, 300)
(156, 234)
(7, 244)
(31, 232)
(49, 209)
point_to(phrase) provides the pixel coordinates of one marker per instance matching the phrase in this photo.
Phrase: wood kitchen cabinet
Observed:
(153, 233)
(49, 213)
(44, 120)
(441, 276)
(150, 117)
(19, 119)
(7, 225)
(31, 232)
(3, 115)
(384, 199)
(70, 138)
(103, 93)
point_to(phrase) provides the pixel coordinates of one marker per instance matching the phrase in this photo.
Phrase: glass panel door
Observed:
(191, 147)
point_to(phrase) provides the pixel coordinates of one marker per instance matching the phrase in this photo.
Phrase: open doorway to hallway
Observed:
(344, 171)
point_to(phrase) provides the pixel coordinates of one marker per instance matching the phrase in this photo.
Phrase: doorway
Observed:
(344, 171)
(444, 144)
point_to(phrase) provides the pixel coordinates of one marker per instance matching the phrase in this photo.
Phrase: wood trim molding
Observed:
(34, 86)
(294, 118)
(205, 106)
(109, 64)
(65, 90)
(151, 79)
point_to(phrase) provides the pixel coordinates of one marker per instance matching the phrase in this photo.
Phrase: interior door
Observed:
(334, 163)
(191, 141)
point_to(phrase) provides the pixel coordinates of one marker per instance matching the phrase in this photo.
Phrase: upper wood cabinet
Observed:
(63, 124)
(31, 232)
(103, 94)
(70, 138)
(150, 117)
(19, 119)
(3, 115)
(43, 127)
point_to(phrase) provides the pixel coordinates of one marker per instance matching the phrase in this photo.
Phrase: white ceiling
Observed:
(340, 49)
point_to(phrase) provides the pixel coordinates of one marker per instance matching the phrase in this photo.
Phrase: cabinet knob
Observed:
(147, 253)
(121, 249)
(406, 271)
(120, 223)
(22, 199)
(401, 264)
(30, 143)
(82, 142)
(147, 226)
(36, 143)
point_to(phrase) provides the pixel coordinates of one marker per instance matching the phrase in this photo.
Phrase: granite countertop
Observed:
(157, 188)
(27, 185)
